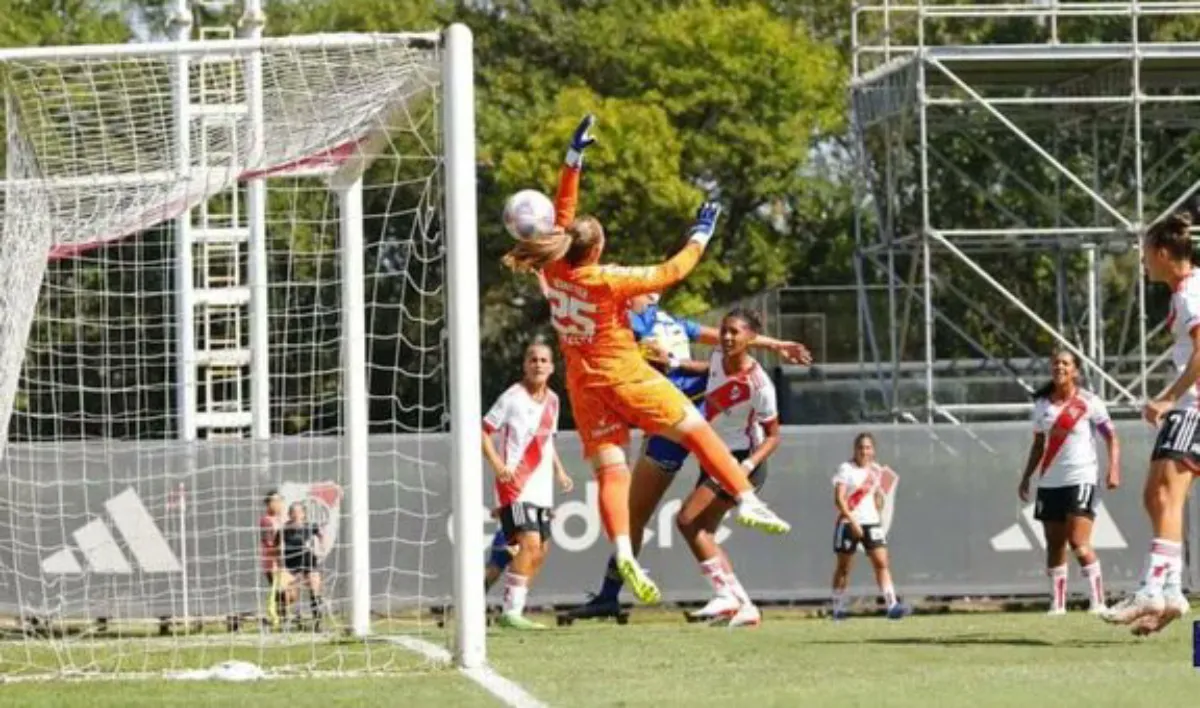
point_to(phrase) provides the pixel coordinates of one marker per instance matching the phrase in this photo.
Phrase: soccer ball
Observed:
(528, 214)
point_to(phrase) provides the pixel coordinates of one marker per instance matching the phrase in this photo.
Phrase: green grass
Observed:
(974, 660)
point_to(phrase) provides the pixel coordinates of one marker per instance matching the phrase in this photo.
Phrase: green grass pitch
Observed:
(974, 660)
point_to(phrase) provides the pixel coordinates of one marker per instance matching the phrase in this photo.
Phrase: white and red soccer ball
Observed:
(528, 214)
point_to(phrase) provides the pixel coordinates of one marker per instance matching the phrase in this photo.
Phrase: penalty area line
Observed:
(505, 690)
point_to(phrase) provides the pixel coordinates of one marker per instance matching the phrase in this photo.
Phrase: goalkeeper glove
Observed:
(580, 140)
(706, 223)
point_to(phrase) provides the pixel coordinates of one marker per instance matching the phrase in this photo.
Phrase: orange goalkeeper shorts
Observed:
(605, 410)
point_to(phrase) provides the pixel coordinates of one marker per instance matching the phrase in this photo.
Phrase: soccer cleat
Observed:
(719, 606)
(640, 584)
(1056, 612)
(746, 616)
(1134, 607)
(1175, 606)
(757, 515)
(596, 608)
(1098, 609)
(898, 611)
(839, 614)
(514, 621)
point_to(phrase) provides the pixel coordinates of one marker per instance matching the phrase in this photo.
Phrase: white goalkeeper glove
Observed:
(706, 223)
(580, 140)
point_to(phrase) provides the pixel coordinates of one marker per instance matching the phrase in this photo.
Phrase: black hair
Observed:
(1173, 234)
(1047, 388)
(271, 494)
(750, 317)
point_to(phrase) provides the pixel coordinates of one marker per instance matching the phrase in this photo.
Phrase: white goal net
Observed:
(161, 373)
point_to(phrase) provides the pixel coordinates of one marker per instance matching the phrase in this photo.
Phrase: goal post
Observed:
(206, 299)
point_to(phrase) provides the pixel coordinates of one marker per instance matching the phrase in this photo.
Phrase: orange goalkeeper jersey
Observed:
(588, 304)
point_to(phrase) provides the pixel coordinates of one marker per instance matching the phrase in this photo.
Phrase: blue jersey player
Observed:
(666, 341)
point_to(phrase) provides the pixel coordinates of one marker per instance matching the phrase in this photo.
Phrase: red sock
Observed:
(716, 460)
(614, 500)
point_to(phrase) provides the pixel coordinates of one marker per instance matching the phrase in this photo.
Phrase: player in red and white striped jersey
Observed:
(519, 445)
(741, 407)
(1066, 419)
(859, 494)
(1175, 457)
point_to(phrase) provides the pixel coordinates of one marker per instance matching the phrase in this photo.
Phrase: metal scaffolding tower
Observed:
(1063, 127)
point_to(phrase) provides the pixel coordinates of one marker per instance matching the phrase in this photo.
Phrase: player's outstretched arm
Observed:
(627, 282)
(566, 200)
(791, 352)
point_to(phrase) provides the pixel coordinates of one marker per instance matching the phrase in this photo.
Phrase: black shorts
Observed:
(757, 478)
(845, 542)
(1179, 439)
(522, 516)
(1058, 503)
(301, 563)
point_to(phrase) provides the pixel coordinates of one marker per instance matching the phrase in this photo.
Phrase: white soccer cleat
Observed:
(1176, 605)
(1134, 607)
(757, 515)
(1056, 612)
(746, 616)
(1099, 610)
(719, 607)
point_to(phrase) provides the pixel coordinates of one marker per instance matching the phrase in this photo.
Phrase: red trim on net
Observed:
(331, 157)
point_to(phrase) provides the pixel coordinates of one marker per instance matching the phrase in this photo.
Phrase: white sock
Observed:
(1173, 580)
(1095, 583)
(624, 547)
(712, 570)
(516, 589)
(749, 497)
(839, 600)
(889, 594)
(1162, 557)
(735, 585)
(1058, 587)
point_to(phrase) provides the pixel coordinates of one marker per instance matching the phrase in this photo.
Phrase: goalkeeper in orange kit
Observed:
(609, 383)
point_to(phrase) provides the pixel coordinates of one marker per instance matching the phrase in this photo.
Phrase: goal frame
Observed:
(460, 231)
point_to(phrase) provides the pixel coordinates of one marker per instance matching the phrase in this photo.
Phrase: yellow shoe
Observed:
(640, 584)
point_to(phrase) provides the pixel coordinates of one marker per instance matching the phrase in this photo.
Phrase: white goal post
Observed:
(208, 325)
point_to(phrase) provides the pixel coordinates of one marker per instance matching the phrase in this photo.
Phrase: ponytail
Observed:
(534, 254)
(574, 243)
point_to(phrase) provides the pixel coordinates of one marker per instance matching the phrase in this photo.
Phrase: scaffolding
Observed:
(1004, 144)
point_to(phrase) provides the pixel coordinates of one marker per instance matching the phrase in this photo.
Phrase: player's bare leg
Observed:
(612, 474)
(1165, 496)
(1079, 538)
(517, 580)
(694, 433)
(698, 520)
(1057, 570)
(883, 577)
(841, 579)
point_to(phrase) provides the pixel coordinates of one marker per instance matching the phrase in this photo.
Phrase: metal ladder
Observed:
(221, 236)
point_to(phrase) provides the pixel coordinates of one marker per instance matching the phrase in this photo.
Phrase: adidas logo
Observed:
(101, 552)
(1105, 533)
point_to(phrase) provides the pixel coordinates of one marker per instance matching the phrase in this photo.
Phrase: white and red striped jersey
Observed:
(523, 431)
(1070, 426)
(1183, 318)
(738, 404)
(861, 483)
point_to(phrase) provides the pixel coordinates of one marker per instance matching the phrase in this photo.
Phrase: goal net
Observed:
(222, 275)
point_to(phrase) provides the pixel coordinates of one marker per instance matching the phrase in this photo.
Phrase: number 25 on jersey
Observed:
(571, 316)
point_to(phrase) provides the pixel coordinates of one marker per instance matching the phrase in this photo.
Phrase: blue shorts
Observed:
(668, 456)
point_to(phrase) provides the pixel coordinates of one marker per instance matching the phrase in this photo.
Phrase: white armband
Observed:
(748, 465)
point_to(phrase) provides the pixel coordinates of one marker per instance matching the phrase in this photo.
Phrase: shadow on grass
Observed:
(973, 640)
